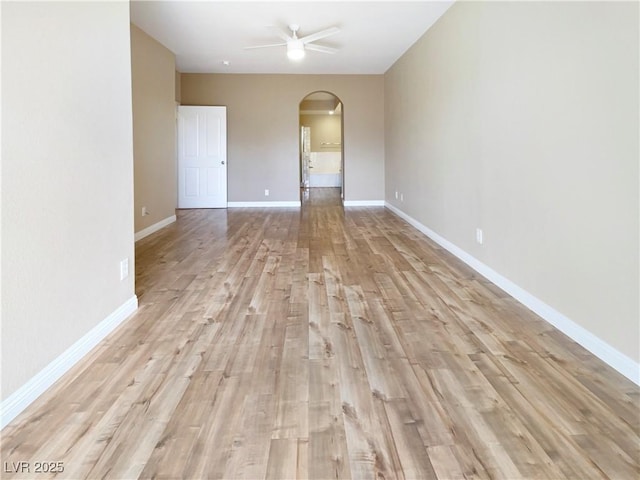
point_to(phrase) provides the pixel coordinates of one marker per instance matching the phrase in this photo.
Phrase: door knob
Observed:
(222, 162)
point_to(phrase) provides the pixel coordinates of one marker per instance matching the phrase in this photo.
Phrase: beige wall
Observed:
(324, 129)
(154, 126)
(67, 177)
(522, 119)
(263, 130)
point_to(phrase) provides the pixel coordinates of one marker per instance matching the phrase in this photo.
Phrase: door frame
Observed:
(342, 156)
(220, 155)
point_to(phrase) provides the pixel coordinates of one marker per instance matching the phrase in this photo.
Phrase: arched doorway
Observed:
(321, 142)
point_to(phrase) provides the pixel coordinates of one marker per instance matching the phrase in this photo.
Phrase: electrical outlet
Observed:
(402, 197)
(479, 235)
(145, 212)
(266, 192)
(396, 194)
(124, 268)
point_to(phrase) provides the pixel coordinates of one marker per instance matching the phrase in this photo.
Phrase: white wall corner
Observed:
(154, 228)
(605, 352)
(18, 401)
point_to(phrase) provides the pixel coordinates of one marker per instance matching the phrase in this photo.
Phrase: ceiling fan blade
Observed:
(320, 48)
(280, 33)
(318, 35)
(265, 46)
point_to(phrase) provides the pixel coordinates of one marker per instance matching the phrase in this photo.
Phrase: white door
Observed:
(202, 157)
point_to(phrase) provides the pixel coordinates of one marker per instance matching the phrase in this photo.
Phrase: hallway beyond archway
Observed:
(321, 141)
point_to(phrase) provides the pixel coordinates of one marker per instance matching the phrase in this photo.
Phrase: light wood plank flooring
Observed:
(323, 343)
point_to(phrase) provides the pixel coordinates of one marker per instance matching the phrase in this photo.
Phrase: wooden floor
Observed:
(326, 343)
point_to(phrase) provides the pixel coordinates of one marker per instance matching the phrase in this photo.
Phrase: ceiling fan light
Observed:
(295, 50)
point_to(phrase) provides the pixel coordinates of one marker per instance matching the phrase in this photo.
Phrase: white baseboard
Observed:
(154, 228)
(13, 405)
(363, 203)
(605, 352)
(295, 203)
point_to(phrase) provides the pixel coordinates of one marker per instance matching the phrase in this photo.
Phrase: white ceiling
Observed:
(203, 34)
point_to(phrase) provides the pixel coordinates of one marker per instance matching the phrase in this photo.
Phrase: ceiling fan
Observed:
(296, 46)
